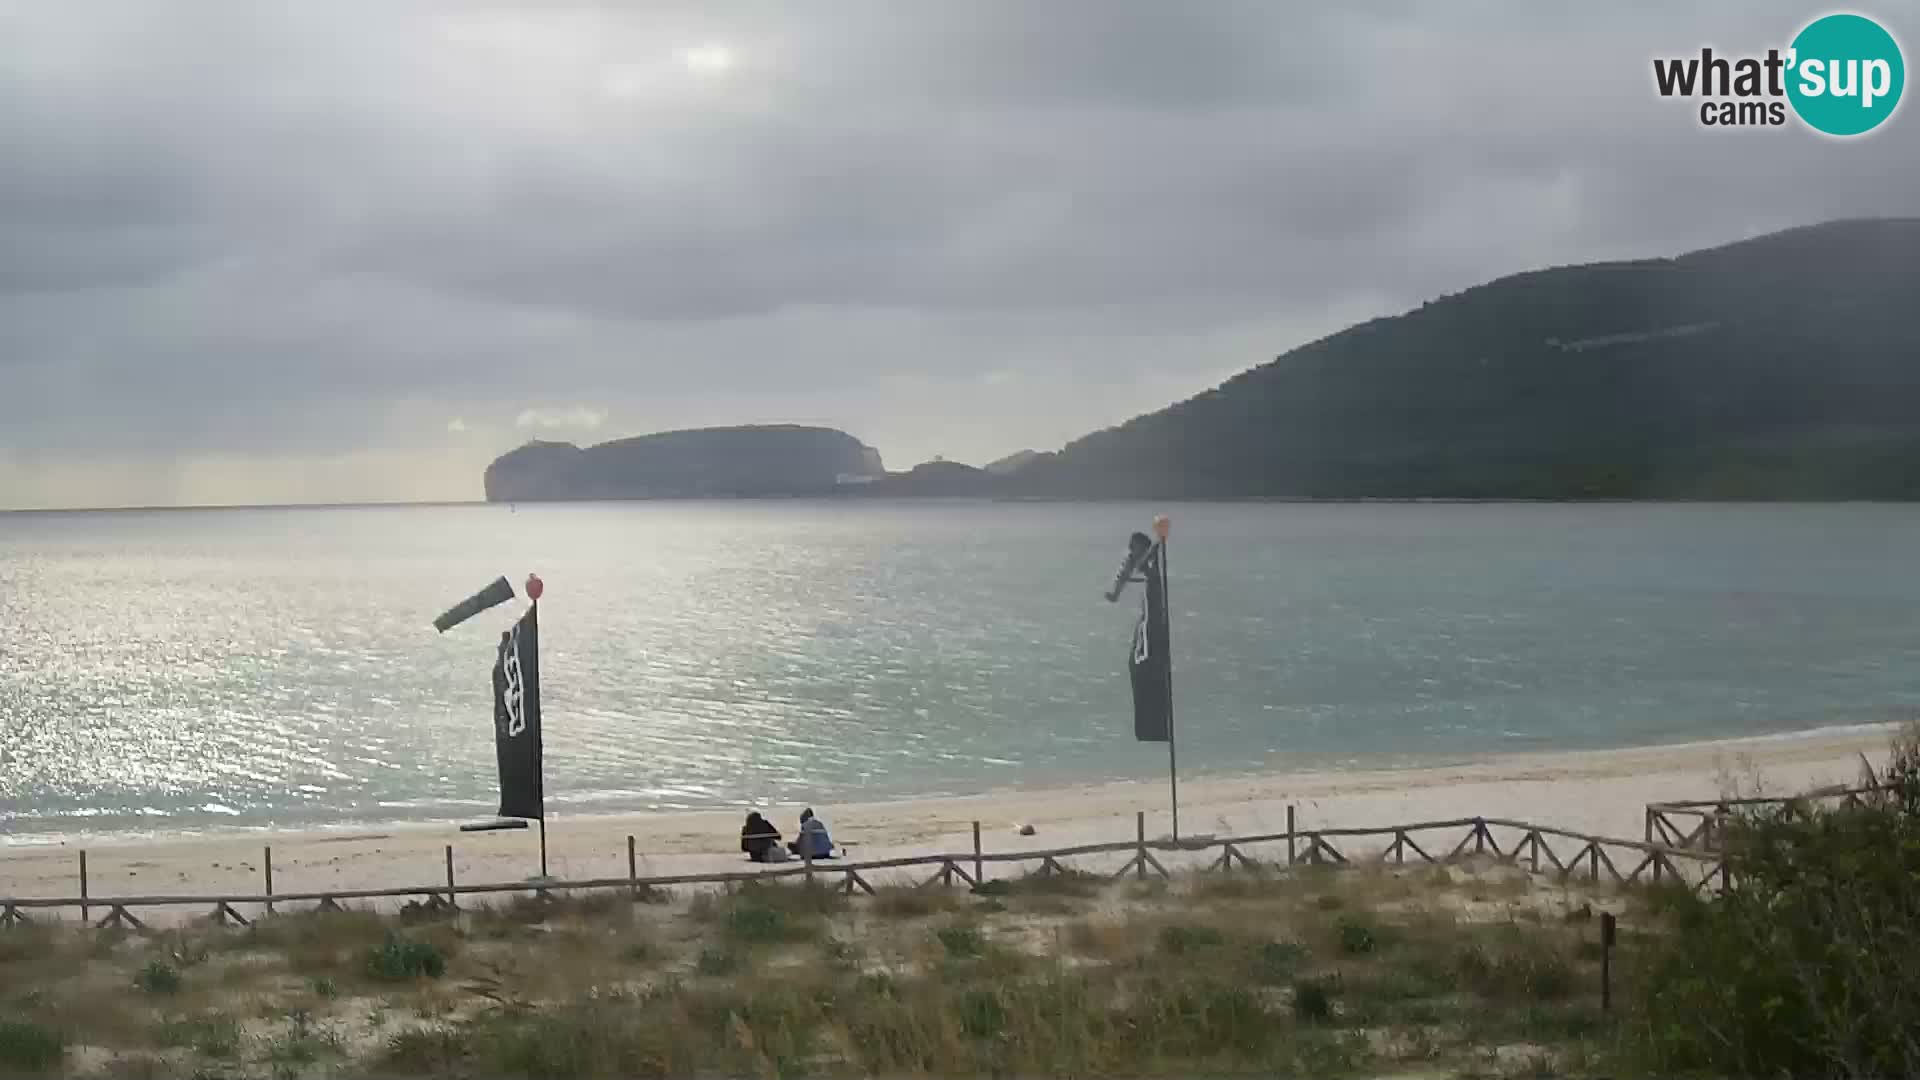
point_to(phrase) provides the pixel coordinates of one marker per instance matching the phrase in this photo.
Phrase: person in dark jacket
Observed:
(758, 837)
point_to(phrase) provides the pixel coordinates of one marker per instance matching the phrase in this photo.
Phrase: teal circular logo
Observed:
(1845, 74)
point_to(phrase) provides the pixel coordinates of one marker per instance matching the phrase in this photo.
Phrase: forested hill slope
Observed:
(1786, 366)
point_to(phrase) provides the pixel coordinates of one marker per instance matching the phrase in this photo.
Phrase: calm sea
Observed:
(236, 668)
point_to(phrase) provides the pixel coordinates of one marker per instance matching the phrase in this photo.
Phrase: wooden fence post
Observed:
(84, 909)
(1289, 834)
(1140, 843)
(266, 867)
(633, 877)
(451, 895)
(806, 856)
(978, 876)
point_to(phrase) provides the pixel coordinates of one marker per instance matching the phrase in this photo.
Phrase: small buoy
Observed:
(1026, 830)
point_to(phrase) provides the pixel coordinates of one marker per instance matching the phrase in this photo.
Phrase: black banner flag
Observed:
(1149, 663)
(516, 718)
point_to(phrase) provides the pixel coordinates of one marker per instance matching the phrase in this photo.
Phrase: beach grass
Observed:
(1354, 972)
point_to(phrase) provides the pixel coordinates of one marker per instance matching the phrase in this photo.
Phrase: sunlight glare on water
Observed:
(197, 669)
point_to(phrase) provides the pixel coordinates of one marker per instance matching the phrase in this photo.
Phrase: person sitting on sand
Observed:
(814, 841)
(759, 839)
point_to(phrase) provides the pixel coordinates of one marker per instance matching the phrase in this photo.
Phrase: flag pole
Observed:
(535, 588)
(1161, 527)
(543, 759)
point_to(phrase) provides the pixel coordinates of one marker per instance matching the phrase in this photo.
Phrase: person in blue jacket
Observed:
(814, 841)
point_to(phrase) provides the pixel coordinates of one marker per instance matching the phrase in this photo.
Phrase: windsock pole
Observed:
(1161, 527)
(534, 588)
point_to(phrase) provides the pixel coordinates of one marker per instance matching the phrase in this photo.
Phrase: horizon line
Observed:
(350, 505)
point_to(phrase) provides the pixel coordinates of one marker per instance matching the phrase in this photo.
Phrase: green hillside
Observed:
(1780, 367)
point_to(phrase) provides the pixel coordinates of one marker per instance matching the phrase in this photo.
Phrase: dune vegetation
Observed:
(1475, 968)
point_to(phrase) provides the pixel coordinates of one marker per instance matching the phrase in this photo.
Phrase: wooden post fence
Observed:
(1657, 861)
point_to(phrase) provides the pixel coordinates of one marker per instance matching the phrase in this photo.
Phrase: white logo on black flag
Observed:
(516, 718)
(1149, 663)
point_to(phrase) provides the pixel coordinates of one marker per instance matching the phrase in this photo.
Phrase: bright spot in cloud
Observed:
(579, 416)
(456, 425)
(624, 82)
(708, 59)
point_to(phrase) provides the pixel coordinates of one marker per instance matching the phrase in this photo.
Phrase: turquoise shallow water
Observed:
(209, 668)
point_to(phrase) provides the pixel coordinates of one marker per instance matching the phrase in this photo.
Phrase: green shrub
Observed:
(303, 1043)
(1528, 969)
(1055, 883)
(158, 977)
(578, 1039)
(423, 1050)
(723, 961)
(212, 1034)
(1313, 1000)
(31, 1047)
(841, 956)
(1179, 940)
(400, 959)
(768, 915)
(1194, 1019)
(1275, 962)
(878, 984)
(324, 987)
(756, 924)
(961, 942)
(1805, 967)
(793, 899)
(1356, 936)
(981, 1014)
(1546, 975)
(909, 903)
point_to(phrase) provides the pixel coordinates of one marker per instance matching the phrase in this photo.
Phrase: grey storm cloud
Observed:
(246, 229)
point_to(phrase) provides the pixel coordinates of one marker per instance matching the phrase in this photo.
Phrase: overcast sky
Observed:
(336, 251)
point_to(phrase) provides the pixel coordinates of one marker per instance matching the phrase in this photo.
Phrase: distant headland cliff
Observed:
(727, 462)
(1782, 367)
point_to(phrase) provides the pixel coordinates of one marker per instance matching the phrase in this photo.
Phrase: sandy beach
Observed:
(1600, 792)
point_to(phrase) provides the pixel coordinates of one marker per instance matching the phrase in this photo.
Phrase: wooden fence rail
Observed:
(1701, 823)
(1526, 845)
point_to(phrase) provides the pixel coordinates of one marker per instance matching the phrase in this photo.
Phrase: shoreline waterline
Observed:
(1598, 792)
(1317, 766)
